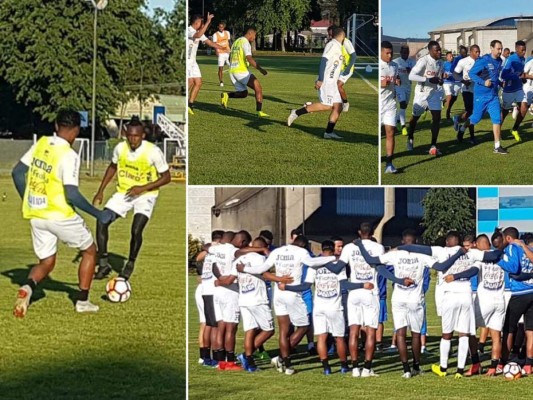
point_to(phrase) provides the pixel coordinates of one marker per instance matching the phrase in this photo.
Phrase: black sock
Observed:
(231, 95)
(344, 364)
(416, 366)
(330, 127)
(475, 358)
(368, 364)
(325, 364)
(258, 106)
(103, 261)
(230, 356)
(481, 347)
(250, 360)
(406, 367)
(434, 136)
(261, 349)
(219, 355)
(529, 361)
(191, 105)
(355, 364)
(494, 363)
(31, 283)
(205, 353)
(460, 371)
(388, 160)
(345, 101)
(442, 369)
(84, 295)
(515, 126)
(301, 111)
(287, 362)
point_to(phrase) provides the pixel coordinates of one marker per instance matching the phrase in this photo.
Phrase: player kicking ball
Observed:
(327, 86)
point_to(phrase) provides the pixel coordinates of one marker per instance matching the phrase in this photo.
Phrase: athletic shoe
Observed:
(345, 370)
(210, 363)
(127, 270)
(416, 372)
(244, 363)
(460, 135)
(456, 123)
(221, 365)
(515, 112)
(379, 347)
(367, 373)
(289, 371)
(221, 84)
(424, 350)
(435, 368)
(473, 141)
(391, 349)
(327, 371)
(191, 112)
(404, 131)
(406, 375)
(86, 306)
(262, 114)
(356, 373)
(201, 361)
(345, 107)
(389, 169)
(23, 301)
(103, 271)
(500, 150)
(410, 144)
(224, 99)
(499, 369)
(458, 376)
(526, 370)
(331, 135)
(516, 136)
(232, 366)
(252, 368)
(434, 151)
(277, 364)
(312, 351)
(292, 117)
(262, 356)
(475, 369)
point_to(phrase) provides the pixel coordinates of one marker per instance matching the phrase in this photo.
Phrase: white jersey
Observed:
(408, 265)
(327, 288)
(404, 67)
(528, 70)
(208, 279)
(252, 289)
(224, 257)
(462, 68)
(388, 73)
(156, 157)
(426, 68)
(490, 280)
(192, 44)
(333, 53)
(464, 262)
(361, 272)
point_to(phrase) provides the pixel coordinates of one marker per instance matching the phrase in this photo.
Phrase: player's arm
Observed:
(246, 250)
(510, 261)
(385, 273)
(445, 265)
(416, 73)
(203, 29)
(256, 65)
(458, 73)
(523, 276)
(269, 276)
(19, 177)
(336, 268)
(348, 286)
(348, 68)
(476, 71)
(368, 258)
(508, 71)
(163, 179)
(313, 262)
(108, 176)
(257, 269)
(302, 287)
(467, 274)
(212, 44)
(529, 253)
(416, 248)
(321, 72)
(201, 256)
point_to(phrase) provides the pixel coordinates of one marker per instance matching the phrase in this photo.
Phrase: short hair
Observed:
(496, 234)
(337, 238)
(462, 47)
(267, 235)
(296, 232)
(337, 31)
(262, 240)
(249, 29)
(246, 235)
(433, 43)
(222, 23)
(454, 234)
(493, 43)
(511, 231)
(386, 45)
(482, 236)
(528, 238)
(331, 27)
(195, 18)
(507, 48)
(469, 238)
(301, 241)
(449, 52)
(217, 235)
(68, 118)
(474, 46)
(409, 232)
(229, 235)
(135, 121)
(520, 43)
(366, 228)
(405, 46)
(328, 245)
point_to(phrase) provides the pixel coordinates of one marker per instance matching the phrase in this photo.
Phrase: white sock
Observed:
(402, 117)
(445, 346)
(462, 352)
(496, 144)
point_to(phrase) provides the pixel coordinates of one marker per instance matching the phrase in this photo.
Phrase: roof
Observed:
(323, 23)
(477, 24)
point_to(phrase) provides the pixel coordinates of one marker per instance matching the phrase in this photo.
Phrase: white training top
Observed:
(462, 68)
(224, 257)
(403, 66)
(333, 53)
(327, 288)
(425, 68)
(361, 272)
(192, 44)
(387, 96)
(208, 279)
(464, 262)
(491, 283)
(528, 69)
(252, 289)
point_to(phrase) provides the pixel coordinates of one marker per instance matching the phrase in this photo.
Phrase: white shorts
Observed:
(226, 305)
(430, 98)
(388, 117)
(529, 96)
(223, 58)
(240, 81)
(193, 70)
(403, 93)
(259, 316)
(328, 94)
(515, 97)
(506, 297)
(200, 303)
(363, 308)
(489, 313)
(143, 204)
(451, 89)
(458, 313)
(291, 304)
(45, 234)
(328, 321)
(409, 315)
(344, 78)
(439, 291)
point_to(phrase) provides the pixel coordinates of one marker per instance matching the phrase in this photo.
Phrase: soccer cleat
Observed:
(23, 301)
(221, 84)
(515, 112)
(499, 369)
(191, 112)
(458, 376)
(456, 123)
(379, 347)
(331, 135)
(86, 306)
(224, 99)
(410, 144)
(262, 114)
(210, 363)
(475, 369)
(367, 373)
(391, 349)
(473, 141)
(345, 370)
(435, 368)
(262, 356)
(424, 350)
(327, 371)
(389, 169)
(244, 363)
(500, 150)
(127, 270)
(292, 117)
(103, 271)
(232, 366)
(356, 373)
(221, 365)
(416, 372)
(289, 371)
(252, 368)
(516, 135)
(201, 361)
(345, 107)
(404, 131)
(526, 370)
(277, 364)
(406, 375)
(491, 372)
(434, 151)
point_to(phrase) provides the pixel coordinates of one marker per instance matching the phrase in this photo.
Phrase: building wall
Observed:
(452, 40)
(199, 203)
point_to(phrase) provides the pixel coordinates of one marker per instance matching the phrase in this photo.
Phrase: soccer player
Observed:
(201, 317)
(461, 71)
(195, 35)
(348, 61)
(427, 73)
(240, 58)
(389, 80)
(505, 54)
(528, 85)
(47, 179)
(141, 169)
(403, 92)
(222, 37)
(327, 86)
(451, 86)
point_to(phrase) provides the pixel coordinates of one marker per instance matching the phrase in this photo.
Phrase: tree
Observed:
(447, 209)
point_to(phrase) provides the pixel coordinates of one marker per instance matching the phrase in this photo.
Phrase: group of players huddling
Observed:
(482, 80)
(482, 283)
(336, 67)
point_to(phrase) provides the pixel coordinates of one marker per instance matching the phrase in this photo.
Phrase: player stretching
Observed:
(427, 73)
(240, 58)
(328, 90)
(49, 194)
(141, 170)
(403, 92)
(222, 37)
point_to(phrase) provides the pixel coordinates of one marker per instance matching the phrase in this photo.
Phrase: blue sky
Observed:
(164, 4)
(415, 18)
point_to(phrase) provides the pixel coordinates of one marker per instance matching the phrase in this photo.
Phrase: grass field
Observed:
(309, 383)
(233, 146)
(462, 163)
(125, 351)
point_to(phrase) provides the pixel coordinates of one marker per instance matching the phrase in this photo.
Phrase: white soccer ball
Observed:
(512, 371)
(118, 290)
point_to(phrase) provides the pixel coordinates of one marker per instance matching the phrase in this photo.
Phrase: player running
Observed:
(222, 37)
(403, 92)
(451, 86)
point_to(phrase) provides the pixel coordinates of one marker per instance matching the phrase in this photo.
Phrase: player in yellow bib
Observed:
(348, 61)
(141, 170)
(47, 178)
(240, 58)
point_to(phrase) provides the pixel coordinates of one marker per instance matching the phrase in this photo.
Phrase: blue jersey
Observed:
(474, 282)
(448, 69)
(511, 71)
(486, 68)
(427, 280)
(515, 261)
(382, 285)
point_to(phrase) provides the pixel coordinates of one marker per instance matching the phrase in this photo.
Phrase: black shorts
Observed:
(518, 306)
(209, 311)
(468, 100)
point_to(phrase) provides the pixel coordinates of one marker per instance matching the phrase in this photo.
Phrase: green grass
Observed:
(462, 163)
(221, 141)
(125, 351)
(309, 383)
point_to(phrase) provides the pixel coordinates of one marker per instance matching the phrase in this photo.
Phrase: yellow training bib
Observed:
(135, 172)
(238, 62)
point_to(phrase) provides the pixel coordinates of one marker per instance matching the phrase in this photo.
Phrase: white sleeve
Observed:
(417, 72)
(69, 169)
(27, 157)
(427, 260)
(191, 32)
(348, 46)
(229, 36)
(345, 256)
(114, 158)
(261, 268)
(328, 51)
(310, 277)
(203, 38)
(476, 254)
(233, 271)
(528, 69)
(215, 37)
(317, 261)
(388, 258)
(158, 160)
(247, 48)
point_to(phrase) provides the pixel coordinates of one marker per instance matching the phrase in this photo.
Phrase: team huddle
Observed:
(482, 283)
(336, 67)
(493, 83)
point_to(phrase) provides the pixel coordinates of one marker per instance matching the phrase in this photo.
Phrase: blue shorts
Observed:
(307, 297)
(382, 310)
(486, 104)
(424, 328)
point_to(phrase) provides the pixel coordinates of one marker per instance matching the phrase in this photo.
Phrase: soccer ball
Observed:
(512, 371)
(118, 290)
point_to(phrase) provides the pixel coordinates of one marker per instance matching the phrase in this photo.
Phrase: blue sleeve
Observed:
(427, 280)
(19, 177)
(507, 70)
(353, 57)
(322, 69)
(75, 198)
(523, 276)
(336, 268)
(302, 287)
(368, 258)
(492, 256)
(416, 248)
(345, 285)
(384, 272)
(476, 69)
(511, 260)
(467, 274)
(445, 265)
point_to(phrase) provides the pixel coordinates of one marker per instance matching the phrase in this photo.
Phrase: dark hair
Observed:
(433, 43)
(409, 232)
(511, 231)
(337, 31)
(217, 235)
(337, 238)
(229, 235)
(135, 122)
(246, 235)
(449, 52)
(462, 47)
(296, 232)
(497, 234)
(68, 118)
(366, 228)
(474, 46)
(493, 43)
(301, 241)
(386, 44)
(267, 235)
(328, 245)
(469, 238)
(331, 27)
(520, 43)
(249, 29)
(482, 236)
(195, 18)
(404, 46)
(262, 240)
(454, 234)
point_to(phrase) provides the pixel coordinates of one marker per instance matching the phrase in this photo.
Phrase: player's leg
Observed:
(496, 352)
(229, 345)
(435, 127)
(483, 335)
(254, 84)
(475, 369)
(220, 71)
(523, 107)
(85, 276)
(370, 345)
(195, 89)
(322, 348)
(336, 110)
(389, 148)
(402, 113)
(137, 228)
(102, 239)
(191, 83)
(219, 354)
(344, 96)
(353, 345)
(450, 101)
(528, 326)
(401, 342)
